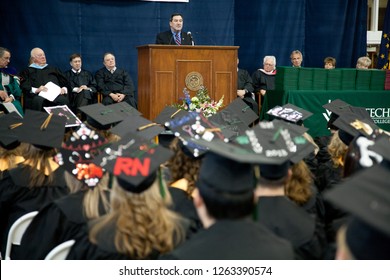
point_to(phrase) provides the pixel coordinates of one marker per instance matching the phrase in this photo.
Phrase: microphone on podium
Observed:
(192, 40)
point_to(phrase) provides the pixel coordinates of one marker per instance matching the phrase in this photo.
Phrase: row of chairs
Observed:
(17, 230)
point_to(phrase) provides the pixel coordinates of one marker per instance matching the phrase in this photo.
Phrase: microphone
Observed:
(192, 40)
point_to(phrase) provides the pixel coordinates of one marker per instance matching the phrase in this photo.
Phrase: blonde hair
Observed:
(337, 150)
(144, 223)
(298, 187)
(9, 156)
(92, 197)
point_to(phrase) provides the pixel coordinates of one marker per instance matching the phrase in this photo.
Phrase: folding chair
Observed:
(60, 252)
(17, 230)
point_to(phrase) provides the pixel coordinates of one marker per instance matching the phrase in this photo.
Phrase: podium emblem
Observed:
(194, 81)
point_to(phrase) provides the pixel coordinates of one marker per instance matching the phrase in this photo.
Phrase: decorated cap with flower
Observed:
(78, 152)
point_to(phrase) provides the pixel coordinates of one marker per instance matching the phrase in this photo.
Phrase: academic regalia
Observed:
(12, 87)
(84, 97)
(59, 221)
(240, 239)
(288, 221)
(117, 82)
(17, 199)
(34, 77)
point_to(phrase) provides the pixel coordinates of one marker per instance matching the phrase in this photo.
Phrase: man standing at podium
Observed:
(175, 36)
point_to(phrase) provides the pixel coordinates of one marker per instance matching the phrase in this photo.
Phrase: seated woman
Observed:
(10, 91)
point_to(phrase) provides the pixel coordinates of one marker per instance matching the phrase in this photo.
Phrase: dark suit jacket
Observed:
(166, 38)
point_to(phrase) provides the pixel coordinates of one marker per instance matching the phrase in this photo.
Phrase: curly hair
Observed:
(144, 223)
(337, 150)
(183, 166)
(298, 187)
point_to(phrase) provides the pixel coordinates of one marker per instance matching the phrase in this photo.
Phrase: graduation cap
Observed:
(337, 107)
(195, 126)
(244, 112)
(134, 161)
(224, 175)
(41, 129)
(124, 109)
(366, 196)
(352, 124)
(267, 143)
(382, 147)
(100, 116)
(138, 126)
(169, 113)
(78, 152)
(8, 138)
(290, 113)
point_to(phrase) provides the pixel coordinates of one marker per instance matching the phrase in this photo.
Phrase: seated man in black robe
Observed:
(115, 84)
(34, 81)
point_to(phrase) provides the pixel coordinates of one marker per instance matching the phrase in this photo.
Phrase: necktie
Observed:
(177, 39)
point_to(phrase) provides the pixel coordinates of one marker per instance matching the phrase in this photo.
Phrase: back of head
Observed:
(226, 186)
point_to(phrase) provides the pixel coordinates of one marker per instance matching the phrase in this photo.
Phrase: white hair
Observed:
(269, 57)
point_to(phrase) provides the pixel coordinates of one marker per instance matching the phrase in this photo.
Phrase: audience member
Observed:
(296, 58)
(35, 78)
(245, 88)
(82, 83)
(329, 62)
(9, 83)
(139, 224)
(175, 36)
(224, 201)
(264, 78)
(38, 179)
(115, 84)
(363, 62)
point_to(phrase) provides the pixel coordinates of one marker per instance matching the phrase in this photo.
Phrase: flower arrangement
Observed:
(201, 102)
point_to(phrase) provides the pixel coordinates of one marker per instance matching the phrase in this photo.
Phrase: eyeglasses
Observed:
(268, 64)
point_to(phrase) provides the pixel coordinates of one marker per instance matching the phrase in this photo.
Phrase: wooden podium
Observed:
(165, 70)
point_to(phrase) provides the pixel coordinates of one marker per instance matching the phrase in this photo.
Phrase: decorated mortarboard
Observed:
(138, 126)
(290, 113)
(267, 142)
(64, 111)
(78, 152)
(229, 121)
(168, 114)
(100, 116)
(382, 147)
(8, 137)
(124, 109)
(366, 196)
(351, 125)
(134, 161)
(195, 126)
(242, 110)
(41, 129)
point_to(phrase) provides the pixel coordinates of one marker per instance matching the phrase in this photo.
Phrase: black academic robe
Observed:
(264, 81)
(233, 240)
(184, 205)
(33, 77)
(84, 97)
(244, 81)
(166, 38)
(287, 220)
(59, 221)
(17, 199)
(117, 82)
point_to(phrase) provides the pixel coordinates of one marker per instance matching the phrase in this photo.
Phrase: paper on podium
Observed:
(52, 91)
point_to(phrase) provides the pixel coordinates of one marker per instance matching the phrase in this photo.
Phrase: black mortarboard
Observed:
(366, 196)
(138, 126)
(195, 126)
(8, 138)
(42, 129)
(134, 161)
(124, 109)
(225, 175)
(78, 152)
(168, 114)
(352, 124)
(242, 110)
(337, 107)
(290, 113)
(100, 116)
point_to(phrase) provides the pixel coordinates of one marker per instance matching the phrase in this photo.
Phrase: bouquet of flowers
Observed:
(201, 102)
